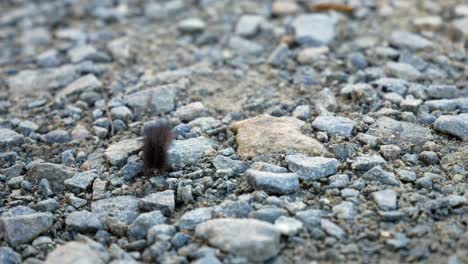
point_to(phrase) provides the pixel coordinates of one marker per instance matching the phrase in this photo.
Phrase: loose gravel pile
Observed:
(305, 131)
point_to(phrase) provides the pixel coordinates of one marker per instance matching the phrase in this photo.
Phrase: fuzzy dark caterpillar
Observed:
(157, 139)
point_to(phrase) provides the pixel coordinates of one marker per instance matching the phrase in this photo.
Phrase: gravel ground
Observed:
(304, 131)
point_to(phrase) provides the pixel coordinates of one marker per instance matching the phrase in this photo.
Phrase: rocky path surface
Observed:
(306, 131)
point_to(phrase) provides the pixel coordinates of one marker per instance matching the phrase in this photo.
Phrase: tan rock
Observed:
(268, 135)
(430, 22)
(118, 153)
(308, 55)
(284, 7)
(77, 252)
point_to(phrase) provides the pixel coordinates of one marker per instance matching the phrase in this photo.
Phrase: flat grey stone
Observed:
(222, 162)
(13, 171)
(18, 210)
(393, 97)
(192, 218)
(429, 157)
(314, 29)
(345, 150)
(155, 11)
(132, 169)
(400, 133)
(83, 221)
(455, 200)
(268, 214)
(249, 238)
(326, 102)
(301, 112)
(77, 202)
(456, 125)
(56, 136)
(404, 39)
(48, 205)
(332, 229)
(345, 210)
(188, 152)
(234, 209)
(294, 206)
(34, 36)
(447, 104)
(414, 60)
(386, 199)
(382, 176)
(120, 48)
(81, 181)
(32, 81)
(15, 182)
(87, 52)
(121, 208)
(172, 76)
(334, 125)
(461, 25)
(27, 127)
(21, 229)
(184, 192)
(9, 256)
(279, 56)
(411, 104)
(391, 216)
(395, 85)
(158, 100)
(191, 111)
(160, 232)
(244, 47)
(357, 61)
(53, 173)
(163, 201)
(205, 124)
(191, 25)
(311, 168)
(359, 92)
(9, 138)
(349, 193)
(406, 175)
(75, 252)
(427, 180)
(86, 83)
(273, 183)
(441, 91)
(208, 259)
(402, 71)
(248, 25)
(49, 58)
(122, 113)
(398, 241)
(310, 217)
(288, 226)
(266, 167)
(139, 228)
(74, 34)
(307, 76)
(338, 181)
